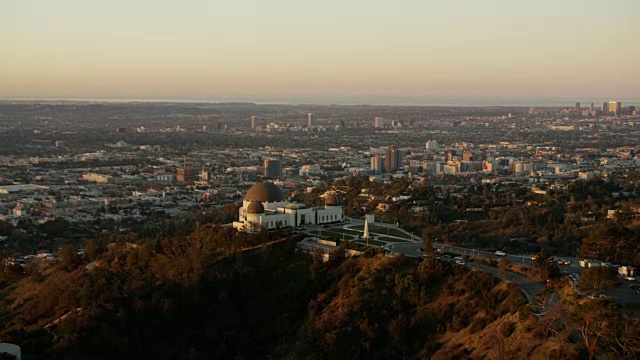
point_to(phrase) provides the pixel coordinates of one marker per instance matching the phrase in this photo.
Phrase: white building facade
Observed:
(266, 206)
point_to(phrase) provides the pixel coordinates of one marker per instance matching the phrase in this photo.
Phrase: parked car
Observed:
(500, 253)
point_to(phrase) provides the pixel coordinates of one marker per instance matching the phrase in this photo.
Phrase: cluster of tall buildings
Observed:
(379, 122)
(311, 121)
(390, 162)
(606, 108)
(612, 108)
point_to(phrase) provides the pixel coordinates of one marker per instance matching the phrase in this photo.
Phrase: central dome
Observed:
(264, 192)
(332, 200)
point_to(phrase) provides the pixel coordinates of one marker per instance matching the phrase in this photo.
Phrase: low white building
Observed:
(265, 205)
(11, 349)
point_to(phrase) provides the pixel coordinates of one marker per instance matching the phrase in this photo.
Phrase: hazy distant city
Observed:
(394, 180)
(319, 180)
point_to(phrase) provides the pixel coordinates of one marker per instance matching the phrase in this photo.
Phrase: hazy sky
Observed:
(296, 49)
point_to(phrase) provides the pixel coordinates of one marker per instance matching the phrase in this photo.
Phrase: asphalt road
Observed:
(412, 249)
(529, 287)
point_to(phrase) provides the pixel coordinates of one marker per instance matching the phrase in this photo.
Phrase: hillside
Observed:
(207, 296)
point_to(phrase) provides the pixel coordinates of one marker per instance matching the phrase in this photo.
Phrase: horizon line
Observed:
(458, 101)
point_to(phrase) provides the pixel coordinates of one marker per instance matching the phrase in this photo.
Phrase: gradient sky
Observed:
(329, 49)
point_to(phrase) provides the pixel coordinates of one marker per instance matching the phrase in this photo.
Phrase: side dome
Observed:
(264, 192)
(255, 207)
(332, 200)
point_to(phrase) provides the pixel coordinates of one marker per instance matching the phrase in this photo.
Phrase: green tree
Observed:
(596, 322)
(609, 241)
(427, 245)
(10, 273)
(595, 279)
(503, 266)
(69, 259)
(547, 269)
(625, 341)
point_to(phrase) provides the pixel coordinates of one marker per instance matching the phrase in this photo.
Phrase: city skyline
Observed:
(494, 52)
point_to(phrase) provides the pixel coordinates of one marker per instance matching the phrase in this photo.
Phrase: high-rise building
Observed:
(185, 174)
(432, 145)
(393, 159)
(591, 108)
(254, 122)
(578, 108)
(378, 122)
(450, 154)
(272, 168)
(205, 175)
(615, 107)
(377, 164)
(311, 120)
(605, 108)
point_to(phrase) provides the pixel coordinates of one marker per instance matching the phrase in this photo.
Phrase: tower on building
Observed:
(378, 122)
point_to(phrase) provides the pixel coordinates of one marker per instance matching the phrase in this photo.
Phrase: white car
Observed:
(500, 253)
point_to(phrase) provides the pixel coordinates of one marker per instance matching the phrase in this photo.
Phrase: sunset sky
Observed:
(304, 51)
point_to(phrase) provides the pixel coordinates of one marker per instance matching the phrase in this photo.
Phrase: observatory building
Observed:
(265, 205)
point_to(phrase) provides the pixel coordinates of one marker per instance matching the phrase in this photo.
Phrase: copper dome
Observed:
(264, 192)
(255, 207)
(332, 200)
